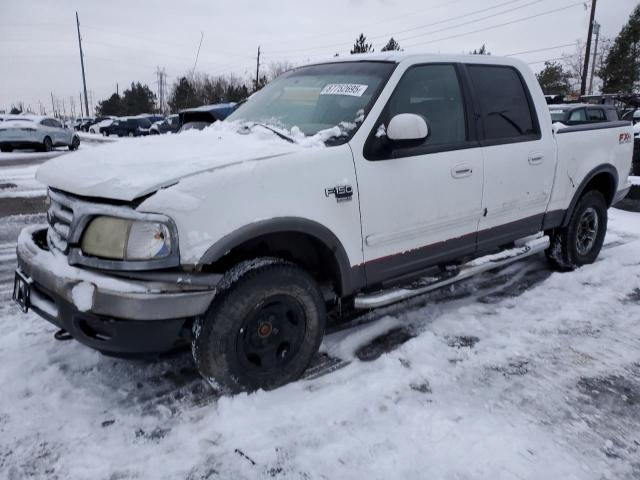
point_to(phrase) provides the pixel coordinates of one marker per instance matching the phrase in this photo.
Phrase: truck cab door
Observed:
(519, 156)
(420, 200)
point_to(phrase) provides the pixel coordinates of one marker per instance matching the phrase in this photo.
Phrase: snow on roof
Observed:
(207, 108)
(399, 57)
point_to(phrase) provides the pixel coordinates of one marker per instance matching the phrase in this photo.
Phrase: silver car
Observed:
(31, 131)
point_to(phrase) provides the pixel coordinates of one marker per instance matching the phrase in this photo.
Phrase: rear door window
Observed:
(612, 115)
(579, 115)
(595, 115)
(505, 104)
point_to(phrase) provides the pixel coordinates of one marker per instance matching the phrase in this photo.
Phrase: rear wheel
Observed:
(47, 144)
(580, 242)
(75, 143)
(263, 330)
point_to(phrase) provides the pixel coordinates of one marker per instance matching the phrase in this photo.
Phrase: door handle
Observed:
(535, 158)
(461, 170)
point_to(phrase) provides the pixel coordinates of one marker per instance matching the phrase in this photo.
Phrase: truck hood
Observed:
(132, 168)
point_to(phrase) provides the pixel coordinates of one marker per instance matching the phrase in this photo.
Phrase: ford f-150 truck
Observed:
(335, 187)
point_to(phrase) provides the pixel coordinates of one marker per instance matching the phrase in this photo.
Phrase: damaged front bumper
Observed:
(138, 314)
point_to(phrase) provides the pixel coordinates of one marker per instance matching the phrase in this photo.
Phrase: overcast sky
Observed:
(125, 41)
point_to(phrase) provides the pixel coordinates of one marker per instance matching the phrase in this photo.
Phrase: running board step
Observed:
(474, 267)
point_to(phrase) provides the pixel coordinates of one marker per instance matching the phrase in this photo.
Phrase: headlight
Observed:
(121, 239)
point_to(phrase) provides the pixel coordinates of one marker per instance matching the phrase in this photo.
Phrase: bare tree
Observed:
(278, 68)
(575, 65)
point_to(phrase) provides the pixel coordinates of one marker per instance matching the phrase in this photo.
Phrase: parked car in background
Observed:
(632, 115)
(98, 126)
(86, 123)
(128, 127)
(171, 124)
(199, 118)
(153, 118)
(582, 114)
(31, 131)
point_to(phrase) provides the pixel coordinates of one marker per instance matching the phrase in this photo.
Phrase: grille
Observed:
(60, 217)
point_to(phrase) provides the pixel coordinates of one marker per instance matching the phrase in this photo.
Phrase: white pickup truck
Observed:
(334, 187)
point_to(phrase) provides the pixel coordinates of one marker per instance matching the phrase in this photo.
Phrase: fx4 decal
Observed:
(343, 193)
(624, 138)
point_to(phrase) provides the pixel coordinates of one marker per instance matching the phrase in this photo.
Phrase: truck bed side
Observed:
(586, 150)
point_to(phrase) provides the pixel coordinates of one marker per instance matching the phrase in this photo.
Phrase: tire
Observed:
(262, 330)
(75, 143)
(131, 134)
(47, 144)
(580, 242)
(6, 149)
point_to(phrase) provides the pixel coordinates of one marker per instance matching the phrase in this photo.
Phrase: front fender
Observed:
(351, 278)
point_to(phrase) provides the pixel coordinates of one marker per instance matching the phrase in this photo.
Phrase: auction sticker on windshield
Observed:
(351, 89)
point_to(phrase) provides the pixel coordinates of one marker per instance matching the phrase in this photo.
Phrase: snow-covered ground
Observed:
(519, 373)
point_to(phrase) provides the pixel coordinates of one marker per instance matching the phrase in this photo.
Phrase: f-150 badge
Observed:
(343, 193)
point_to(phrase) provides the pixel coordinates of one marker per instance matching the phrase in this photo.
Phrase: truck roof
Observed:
(398, 57)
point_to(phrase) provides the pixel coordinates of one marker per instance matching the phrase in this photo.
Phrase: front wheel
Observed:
(580, 242)
(262, 330)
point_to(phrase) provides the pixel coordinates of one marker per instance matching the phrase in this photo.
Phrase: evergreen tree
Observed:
(391, 45)
(183, 95)
(621, 69)
(481, 51)
(361, 45)
(110, 106)
(138, 99)
(554, 80)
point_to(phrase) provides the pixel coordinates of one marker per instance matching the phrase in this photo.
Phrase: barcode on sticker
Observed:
(351, 89)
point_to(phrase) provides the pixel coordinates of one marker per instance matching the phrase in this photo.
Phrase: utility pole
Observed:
(258, 68)
(193, 72)
(587, 53)
(84, 80)
(117, 90)
(80, 96)
(596, 30)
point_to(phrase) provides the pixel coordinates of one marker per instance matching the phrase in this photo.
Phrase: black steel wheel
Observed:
(261, 331)
(580, 242)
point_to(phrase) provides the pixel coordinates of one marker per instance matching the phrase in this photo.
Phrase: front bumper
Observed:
(107, 312)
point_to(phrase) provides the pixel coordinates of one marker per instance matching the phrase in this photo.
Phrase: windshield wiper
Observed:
(271, 129)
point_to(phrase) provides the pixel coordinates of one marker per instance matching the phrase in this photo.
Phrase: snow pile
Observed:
(82, 295)
(520, 373)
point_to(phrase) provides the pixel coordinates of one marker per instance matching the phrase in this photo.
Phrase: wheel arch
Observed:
(603, 178)
(294, 238)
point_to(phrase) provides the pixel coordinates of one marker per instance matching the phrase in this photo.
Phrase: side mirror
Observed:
(407, 126)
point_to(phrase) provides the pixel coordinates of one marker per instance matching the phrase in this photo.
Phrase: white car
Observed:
(31, 131)
(104, 123)
(333, 188)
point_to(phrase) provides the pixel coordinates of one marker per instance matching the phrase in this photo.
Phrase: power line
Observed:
(446, 20)
(492, 27)
(540, 49)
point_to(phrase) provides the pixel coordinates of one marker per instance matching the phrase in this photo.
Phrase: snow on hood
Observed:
(131, 168)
